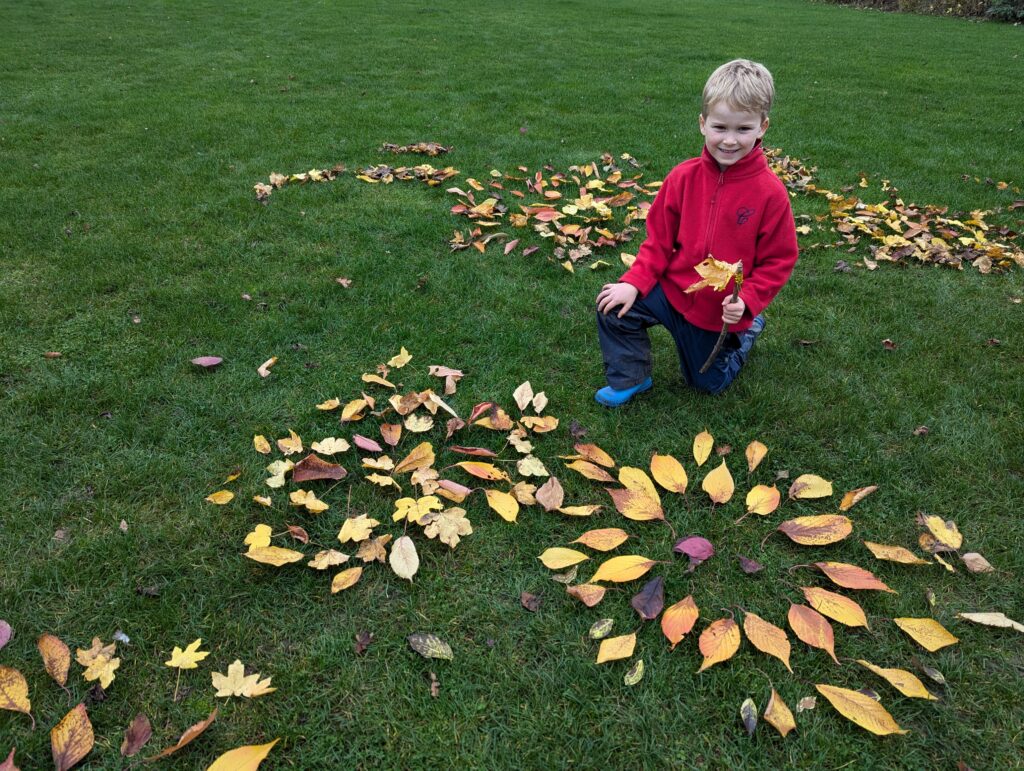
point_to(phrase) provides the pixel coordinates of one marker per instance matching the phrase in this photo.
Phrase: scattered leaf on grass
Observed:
(835, 606)
(854, 497)
(71, 739)
(695, 547)
(905, 682)
(594, 454)
(190, 735)
(636, 505)
(363, 640)
(557, 558)
(750, 566)
(755, 454)
(813, 628)
(313, 467)
(346, 579)
(274, 555)
(5, 633)
(678, 620)
(763, 500)
(504, 504)
(591, 471)
(777, 714)
(767, 638)
(625, 568)
(135, 738)
(550, 495)
(403, 558)
(817, 530)
(993, 619)
(748, 714)
(56, 657)
(14, 692)
(589, 594)
(604, 539)
(430, 646)
(808, 486)
(976, 563)
(327, 558)
(260, 444)
(945, 532)
(264, 368)
(703, 443)
(447, 526)
(718, 484)
(860, 709)
(616, 648)
(207, 362)
(246, 758)
(188, 658)
(650, 600)
(894, 554)
(669, 473)
(530, 602)
(601, 628)
(719, 642)
(221, 497)
(634, 674)
(926, 632)
(237, 683)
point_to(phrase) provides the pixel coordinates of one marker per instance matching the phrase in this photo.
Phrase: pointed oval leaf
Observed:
(604, 539)
(853, 497)
(590, 471)
(755, 454)
(650, 600)
(430, 646)
(274, 555)
(976, 563)
(558, 557)
(926, 632)
(818, 530)
(247, 758)
(220, 497)
(578, 511)
(813, 628)
(748, 714)
(905, 682)
(703, 444)
(422, 456)
(636, 505)
(345, 579)
(636, 480)
(719, 642)
(763, 500)
(807, 486)
(634, 674)
(480, 470)
(14, 691)
(595, 454)
(777, 714)
(992, 619)
(678, 620)
(945, 532)
(189, 736)
(403, 558)
(835, 606)
(718, 484)
(851, 576)
(56, 657)
(894, 554)
(860, 709)
(669, 473)
(503, 503)
(615, 648)
(589, 594)
(71, 739)
(601, 628)
(767, 638)
(625, 568)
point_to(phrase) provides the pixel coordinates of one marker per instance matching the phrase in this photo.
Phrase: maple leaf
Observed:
(327, 558)
(373, 549)
(414, 510)
(188, 658)
(714, 273)
(260, 536)
(237, 683)
(102, 669)
(447, 525)
(357, 528)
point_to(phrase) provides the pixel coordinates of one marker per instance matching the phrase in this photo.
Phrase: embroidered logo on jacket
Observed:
(743, 214)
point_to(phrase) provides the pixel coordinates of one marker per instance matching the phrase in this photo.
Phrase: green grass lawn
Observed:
(131, 136)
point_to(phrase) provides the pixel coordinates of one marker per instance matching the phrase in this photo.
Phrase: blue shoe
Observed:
(609, 397)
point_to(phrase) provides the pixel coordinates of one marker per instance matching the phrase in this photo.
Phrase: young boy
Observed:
(728, 204)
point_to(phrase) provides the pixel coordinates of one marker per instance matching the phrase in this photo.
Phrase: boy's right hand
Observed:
(613, 295)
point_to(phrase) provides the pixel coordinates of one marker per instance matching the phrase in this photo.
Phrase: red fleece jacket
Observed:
(741, 213)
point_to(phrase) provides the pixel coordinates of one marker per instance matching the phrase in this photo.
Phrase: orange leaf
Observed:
(591, 471)
(486, 471)
(636, 505)
(625, 568)
(56, 657)
(767, 638)
(678, 620)
(755, 454)
(71, 739)
(854, 497)
(895, 554)
(813, 628)
(588, 594)
(669, 473)
(190, 735)
(595, 454)
(835, 606)
(718, 484)
(860, 709)
(819, 530)
(604, 539)
(719, 642)
(926, 632)
(851, 576)
(777, 714)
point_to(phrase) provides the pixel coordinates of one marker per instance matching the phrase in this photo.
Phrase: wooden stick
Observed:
(721, 337)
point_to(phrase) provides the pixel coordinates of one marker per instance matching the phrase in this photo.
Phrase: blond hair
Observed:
(743, 85)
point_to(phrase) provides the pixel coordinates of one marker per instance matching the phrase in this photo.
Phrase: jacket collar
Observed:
(749, 165)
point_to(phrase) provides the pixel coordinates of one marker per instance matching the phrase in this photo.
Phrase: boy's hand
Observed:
(613, 295)
(732, 311)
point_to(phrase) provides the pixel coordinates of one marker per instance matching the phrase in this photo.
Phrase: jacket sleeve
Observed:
(660, 245)
(774, 258)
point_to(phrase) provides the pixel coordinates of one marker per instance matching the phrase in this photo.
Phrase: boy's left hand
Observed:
(732, 311)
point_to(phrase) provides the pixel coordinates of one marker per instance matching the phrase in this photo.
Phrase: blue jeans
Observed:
(626, 347)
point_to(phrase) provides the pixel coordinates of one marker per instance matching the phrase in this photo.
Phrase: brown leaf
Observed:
(56, 657)
(136, 736)
(72, 738)
(589, 594)
(5, 633)
(650, 600)
(920, 431)
(298, 533)
(889, 345)
(550, 494)
(530, 601)
(750, 566)
(854, 497)
(190, 735)
(314, 467)
(363, 640)
(976, 563)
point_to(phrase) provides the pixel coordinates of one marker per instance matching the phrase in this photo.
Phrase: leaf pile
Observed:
(433, 149)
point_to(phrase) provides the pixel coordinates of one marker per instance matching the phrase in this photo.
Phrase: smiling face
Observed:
(730, 134)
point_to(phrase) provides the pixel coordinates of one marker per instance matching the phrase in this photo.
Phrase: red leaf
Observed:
(482, 451)
(696, 548)
(511, 245)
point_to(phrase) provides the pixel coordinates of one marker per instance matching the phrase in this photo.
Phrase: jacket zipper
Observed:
(709, 232)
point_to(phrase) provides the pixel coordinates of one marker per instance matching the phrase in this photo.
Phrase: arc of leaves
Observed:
(719, 485)
(926, 632)
(835, 606)
(669, 473)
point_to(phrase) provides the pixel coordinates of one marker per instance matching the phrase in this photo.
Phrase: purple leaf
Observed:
(696, 548)
(750, 566)
(5, 633)
(650, 600)
(368, 445)
(207, 362)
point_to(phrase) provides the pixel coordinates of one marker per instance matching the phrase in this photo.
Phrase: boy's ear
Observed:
(700, 121)
(764, 126)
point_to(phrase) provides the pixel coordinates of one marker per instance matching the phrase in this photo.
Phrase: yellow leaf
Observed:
(308, 499)
(447, 525)
(678, 620)
(496, 420)
(808, 486)
(263, 500)
(326, 558)
(703, 444)
(523, 395)
(669, 473)
(221, 497)
(274, 555)
(860, 709)
(540, 425)
(763, 499)
(86, 656)
(14, 692)
(616, 648)
(383, 481)
(777, 714)
(926, 632)
(345, 579)
(188, 658)
(521, 491)
(945, 533)
(625, 568)
(260, 444)
(56, 657)
(357, 528)
(422, 456)
(578, 511)
(245, 758)
(854, 497)
(400, 360)
(718, 484)
(589, 594)
(376, 379)
(594, 454)
(557, 558)
(604, 539)
(329, 446)
(353, 410)
(715, 274)
(636, 480)
(330, 404)
(719, 642)
(71, 739)
(906, 683)
(835, 606)
(418, 423)
(260, 536)
(237, 683)
(895, 554)
(993, 619)
(813, 628)
(503, 503)
(414, 510)
(531, 467)
(403, 558)
(484, 471)
(767, 638)
(291, 444)
(755, 454)
(381, 463)
(817, 530)
(591, 471)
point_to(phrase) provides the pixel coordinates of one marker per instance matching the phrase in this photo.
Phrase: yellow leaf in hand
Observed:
(715, 274)
(188, 658)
